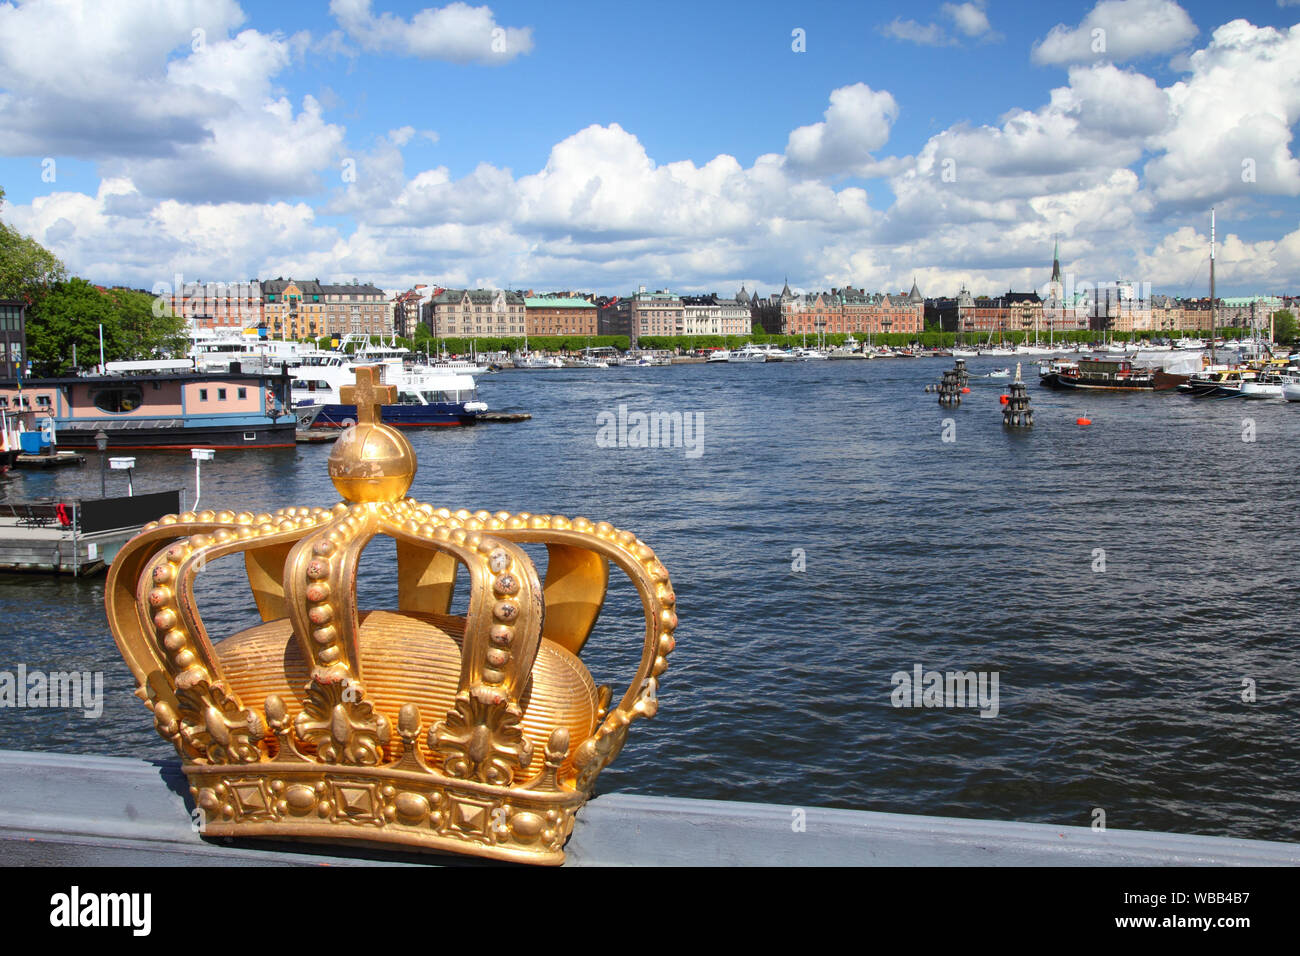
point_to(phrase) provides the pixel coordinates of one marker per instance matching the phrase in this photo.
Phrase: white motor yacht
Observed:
(748, 353)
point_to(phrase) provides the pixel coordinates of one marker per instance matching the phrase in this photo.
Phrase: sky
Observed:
(681, 145)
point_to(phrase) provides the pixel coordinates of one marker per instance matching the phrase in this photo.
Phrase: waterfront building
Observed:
(1013, 311)
(1166, 314)
(300, 309)
(1196, 315)
(850, 310)
(710, 315)
(13, 337)
(219, 306)
(405, 308)
(560, 315)
(476, 313)
(644, 313)
(765, 313)
(734, 315)
(1254, 312)
(613, 316)
(1120, 306)
(293, 309)
(701, 315)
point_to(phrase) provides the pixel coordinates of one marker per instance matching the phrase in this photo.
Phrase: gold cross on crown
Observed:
(368, 395)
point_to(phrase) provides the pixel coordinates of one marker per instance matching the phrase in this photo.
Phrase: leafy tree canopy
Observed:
(1284, 326)
(27, 268)
(71, 313)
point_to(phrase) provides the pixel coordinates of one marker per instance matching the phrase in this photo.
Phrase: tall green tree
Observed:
(27, 269)
(146, 327)
(71, 313)
(1284, 326)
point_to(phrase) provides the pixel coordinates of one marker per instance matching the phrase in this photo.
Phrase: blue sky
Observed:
(680, 145)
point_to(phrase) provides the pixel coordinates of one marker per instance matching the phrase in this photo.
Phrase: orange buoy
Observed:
(965, 389)
(1083, 421)
(1004, 399)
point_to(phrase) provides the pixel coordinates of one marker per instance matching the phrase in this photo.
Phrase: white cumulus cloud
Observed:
(856, 124)
(457, 32)
(1118, 30)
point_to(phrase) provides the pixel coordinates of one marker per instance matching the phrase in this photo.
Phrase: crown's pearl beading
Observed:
(425, 800)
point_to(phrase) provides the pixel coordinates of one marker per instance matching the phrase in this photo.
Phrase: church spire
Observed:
(1056, 261)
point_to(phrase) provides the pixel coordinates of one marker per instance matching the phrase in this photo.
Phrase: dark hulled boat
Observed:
(1107, 374)
(1217, 383)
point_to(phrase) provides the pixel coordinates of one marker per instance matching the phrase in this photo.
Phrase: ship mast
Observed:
(1213, 332)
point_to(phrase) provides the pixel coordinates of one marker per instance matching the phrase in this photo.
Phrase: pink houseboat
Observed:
(152, 408)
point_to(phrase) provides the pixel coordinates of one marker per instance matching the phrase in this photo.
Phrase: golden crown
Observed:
(521, 730)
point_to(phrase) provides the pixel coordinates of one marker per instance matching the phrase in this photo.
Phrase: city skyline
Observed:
(513, 147)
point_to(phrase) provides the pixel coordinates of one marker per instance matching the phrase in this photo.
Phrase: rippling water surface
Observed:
(1119, 689)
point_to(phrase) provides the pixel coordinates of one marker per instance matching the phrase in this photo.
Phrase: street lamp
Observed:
(101, 442)
(124, 464)
(200, 455)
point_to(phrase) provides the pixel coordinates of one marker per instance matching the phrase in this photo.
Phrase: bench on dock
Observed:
(31, 515)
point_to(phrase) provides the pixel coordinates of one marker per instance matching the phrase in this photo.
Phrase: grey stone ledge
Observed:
(62, 809)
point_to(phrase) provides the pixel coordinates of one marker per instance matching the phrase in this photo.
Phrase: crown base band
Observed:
(382, 805)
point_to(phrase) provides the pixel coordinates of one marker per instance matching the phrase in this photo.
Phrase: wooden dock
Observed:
(312, 436)
(75, 537)
(50, 461)
(58, 550)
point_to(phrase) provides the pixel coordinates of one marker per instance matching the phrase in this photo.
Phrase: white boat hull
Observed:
(1261, 390)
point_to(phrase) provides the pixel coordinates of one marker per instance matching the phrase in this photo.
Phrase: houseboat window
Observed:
(119, 399)
(242, 393)
(203, 395)
(43, 401)
(4, 401)
(221, 394)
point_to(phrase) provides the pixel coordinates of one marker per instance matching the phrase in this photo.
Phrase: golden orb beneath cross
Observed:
(371, 461)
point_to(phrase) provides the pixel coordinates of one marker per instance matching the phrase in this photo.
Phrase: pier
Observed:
(76, 537)
(51, 460)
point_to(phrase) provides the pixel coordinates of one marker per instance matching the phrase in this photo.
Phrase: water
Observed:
(1119, 689)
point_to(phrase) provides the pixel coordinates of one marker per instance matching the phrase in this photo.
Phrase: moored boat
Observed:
(427, 397)
(161, 409)
(748, 353)
(1269, 384)
(1100, 374)
(1217, 382)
